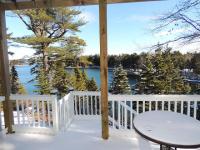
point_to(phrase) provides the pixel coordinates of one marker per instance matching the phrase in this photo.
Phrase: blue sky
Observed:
(129, 27)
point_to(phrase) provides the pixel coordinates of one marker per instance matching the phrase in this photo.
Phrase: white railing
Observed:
(65, 111)
(2, 98)
(43, 113)
(35, 113)
(86, 103)
(123, 108)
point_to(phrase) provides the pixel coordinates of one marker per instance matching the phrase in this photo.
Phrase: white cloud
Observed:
(88, 16)
(141, 18)
(20, 52)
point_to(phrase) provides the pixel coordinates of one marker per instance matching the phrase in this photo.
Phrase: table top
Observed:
(169, 128)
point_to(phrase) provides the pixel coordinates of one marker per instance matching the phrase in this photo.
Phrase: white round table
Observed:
(168, 128)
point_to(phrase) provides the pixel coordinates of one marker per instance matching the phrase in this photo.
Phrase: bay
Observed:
(25, 76)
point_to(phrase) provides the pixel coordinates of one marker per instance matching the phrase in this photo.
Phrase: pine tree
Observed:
(161, 76)
(16, 86)
(120, 83)
(92, 85)
(78, 80)
(85, 78)
(145, 83)
(61, 80)
(53, 38)
(43, 85)
(14, 80)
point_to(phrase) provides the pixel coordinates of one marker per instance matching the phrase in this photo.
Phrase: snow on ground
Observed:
(81, 135)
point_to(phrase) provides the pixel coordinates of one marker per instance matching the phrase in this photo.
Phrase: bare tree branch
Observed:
(184, 16)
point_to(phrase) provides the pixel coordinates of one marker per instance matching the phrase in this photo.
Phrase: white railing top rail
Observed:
(150, 97)
(2, 98)
(32, 97)
(81, 93)
(155, 97)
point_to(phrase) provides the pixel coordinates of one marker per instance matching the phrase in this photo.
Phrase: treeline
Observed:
(136, 61)
(126, 60)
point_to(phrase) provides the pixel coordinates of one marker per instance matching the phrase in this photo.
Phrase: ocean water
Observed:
(25, 77)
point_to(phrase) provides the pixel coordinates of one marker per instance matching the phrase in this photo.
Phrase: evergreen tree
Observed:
(43, 85)
(146, 81)
(85, 78)
(161, 76)
(16, 86)
(61, 80)
(53, 39)
(14, 80)
(195, 63)
(92, 85)
(78, 81)
(120, 83)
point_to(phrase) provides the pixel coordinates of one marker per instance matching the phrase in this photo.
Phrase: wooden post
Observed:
(5, 76)
(104, 67)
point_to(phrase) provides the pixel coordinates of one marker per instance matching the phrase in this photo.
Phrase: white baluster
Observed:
(87, 105)
(33, 113)
(125, 115)
(188, 106)
(168, 105)
(18, 114)
(92, 112)
(84, 112)
(131, 115)
(143, 105)
(175, 106)
(100, 104)
(156, 107)
(79, 105)
(43, 114)
(75, 102)
(150, 107)
(113, 114)
(95, 105)
(182, 107)
(23, 115)
(49, 115)
(195, 109)
(38, 113)
(163, 102)
(119, 118)
(64, 112)
(27, 113)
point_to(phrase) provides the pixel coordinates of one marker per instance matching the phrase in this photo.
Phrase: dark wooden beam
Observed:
(59, 3)
(5, 76)
(104, 67)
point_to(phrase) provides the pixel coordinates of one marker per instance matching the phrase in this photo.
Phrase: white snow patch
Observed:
(81, 135)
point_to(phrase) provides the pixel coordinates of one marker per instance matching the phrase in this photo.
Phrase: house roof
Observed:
(28, 4)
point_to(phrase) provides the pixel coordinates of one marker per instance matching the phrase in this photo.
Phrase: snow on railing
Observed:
(2, 98)
(44, 114)
(35, 113)
(123, 108)
(65, 111)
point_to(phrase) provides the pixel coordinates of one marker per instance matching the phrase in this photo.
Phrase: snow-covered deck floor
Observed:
(81, 135)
